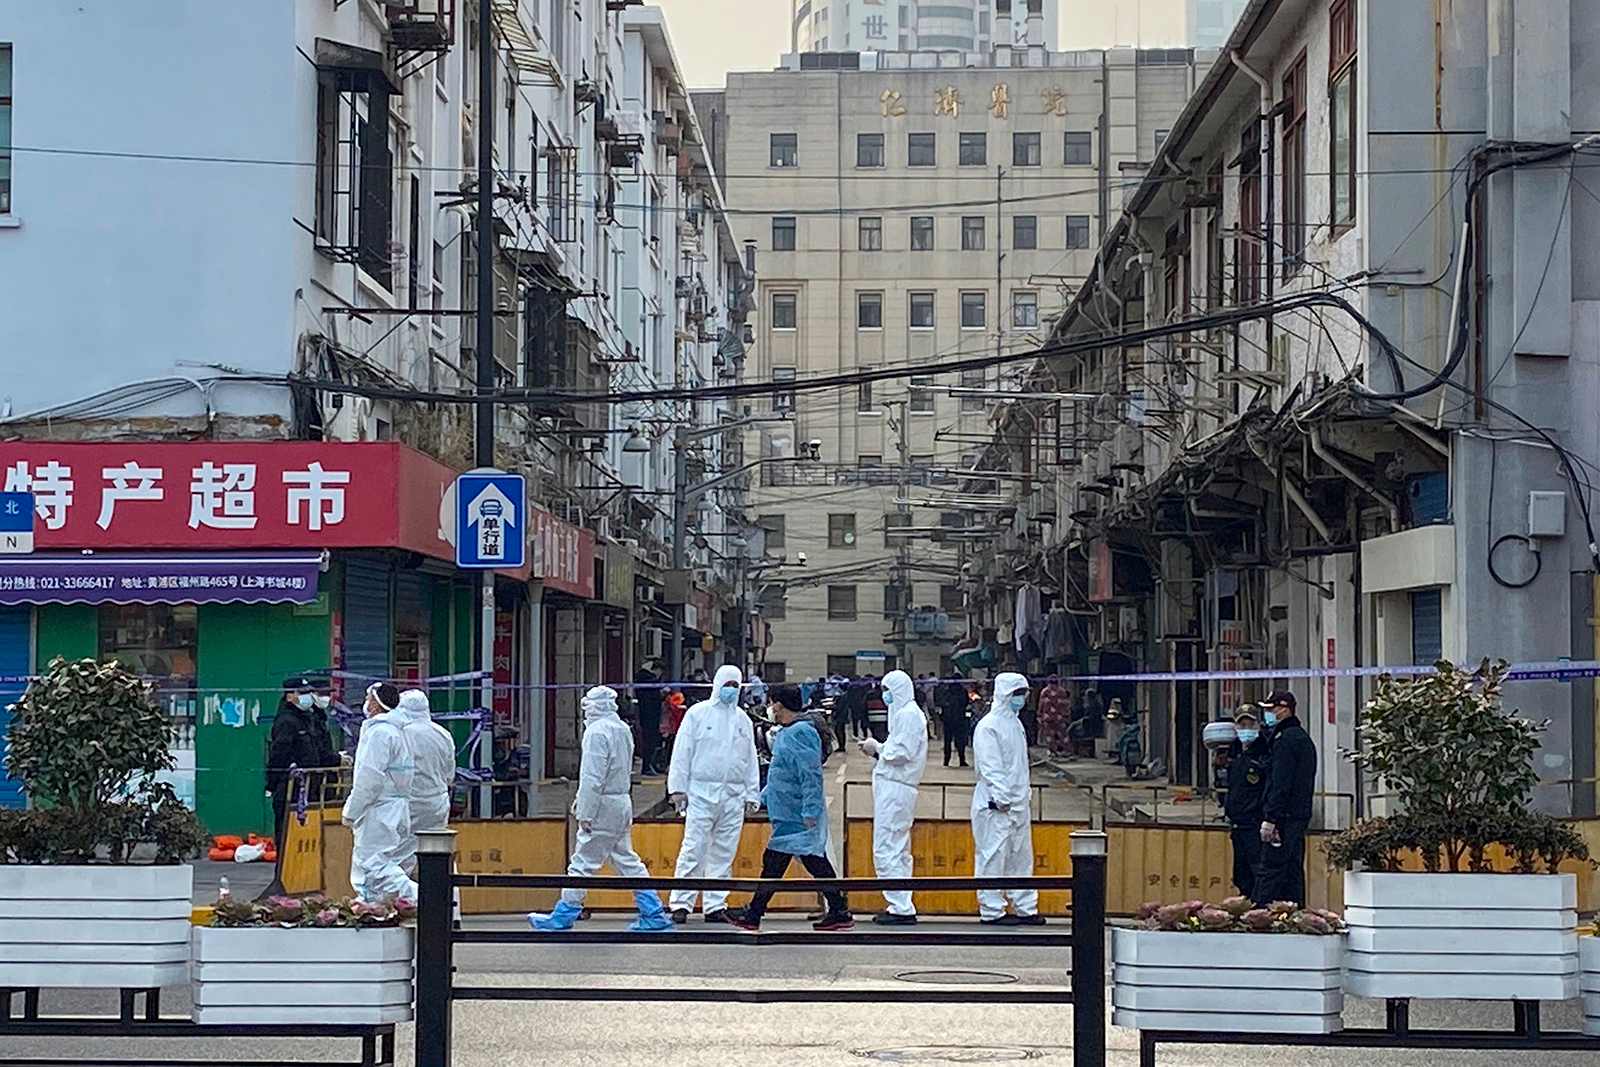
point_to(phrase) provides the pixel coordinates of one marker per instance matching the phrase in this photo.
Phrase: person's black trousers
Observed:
(1282, 872)
(841, 726)
(955, 734)
(776, 864)
(1246, 858)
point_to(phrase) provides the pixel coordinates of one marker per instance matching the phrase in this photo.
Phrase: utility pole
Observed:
(484, 437)
(680, 516)
(999, 267)
(902, 577)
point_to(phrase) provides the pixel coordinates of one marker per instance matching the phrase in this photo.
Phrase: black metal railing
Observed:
(437, 990)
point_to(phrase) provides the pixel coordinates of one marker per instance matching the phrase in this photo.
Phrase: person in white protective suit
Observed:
(378, 808)
(604, 810)
(714, 780)
(433, 757)
(1002, 824)
(900, 760)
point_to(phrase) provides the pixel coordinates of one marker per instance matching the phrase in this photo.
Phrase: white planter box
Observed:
(110, 926)
(1164, 980)
(1589, 983)
(1461, 936)
(271, 975)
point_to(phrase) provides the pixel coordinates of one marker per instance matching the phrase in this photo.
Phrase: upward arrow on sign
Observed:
(493, 503)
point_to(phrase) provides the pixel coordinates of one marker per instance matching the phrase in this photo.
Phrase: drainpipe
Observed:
(1308, 511)
(1326, 455)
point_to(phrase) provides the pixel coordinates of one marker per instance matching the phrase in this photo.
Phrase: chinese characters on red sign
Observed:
(230, 494)
(563, 554)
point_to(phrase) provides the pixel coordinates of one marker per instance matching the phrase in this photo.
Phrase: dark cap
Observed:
(1281, 696)
(298, 682)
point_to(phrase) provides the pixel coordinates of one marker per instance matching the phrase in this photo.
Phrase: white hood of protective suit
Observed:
(714, 753)
(904, 753)
(414, 706)
(433, 757)
(1005, 686)
(901, 689)
(599, 703)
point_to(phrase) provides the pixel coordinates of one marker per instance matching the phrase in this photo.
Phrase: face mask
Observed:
(1248, 734)
(305, 701)
(888, 697)
(1269, 718)
(324, 702)
(1017, 701)
(727, 695)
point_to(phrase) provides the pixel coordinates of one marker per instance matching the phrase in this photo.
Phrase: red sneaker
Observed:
(738, 918)
(830, 923)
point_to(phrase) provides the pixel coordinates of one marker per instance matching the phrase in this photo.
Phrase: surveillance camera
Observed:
(801, 556)
(815, 444)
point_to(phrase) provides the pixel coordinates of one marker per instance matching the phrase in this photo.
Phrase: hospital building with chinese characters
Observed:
(911, 208)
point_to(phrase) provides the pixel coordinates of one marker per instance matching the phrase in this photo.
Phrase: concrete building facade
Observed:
(895, 26)
(909, 212)
(1369, 449)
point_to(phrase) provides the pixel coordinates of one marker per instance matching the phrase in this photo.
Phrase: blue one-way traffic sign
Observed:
(16, 523)
(491, 520)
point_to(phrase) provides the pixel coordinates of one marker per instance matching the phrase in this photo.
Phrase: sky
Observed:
(713, 37)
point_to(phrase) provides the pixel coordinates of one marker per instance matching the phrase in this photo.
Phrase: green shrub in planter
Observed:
(86, 741)
(1461, 771)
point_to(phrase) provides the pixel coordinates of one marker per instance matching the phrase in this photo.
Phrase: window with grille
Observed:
(783, 233)
(1078, 149)
(973, 150)
(785, 311)
(1025, 150)
(841, 603)
(842, 530)
(1342, 112)
(1294, 167)
(1024, 310)
(783, 399)
(869, 233)
(354, 170)
(5, 129)
(869, 149)
(972, 228)
(974, 311)
(869, 311)
(1077, 231)
(892, 522)
(1025, 232)
(785, 150)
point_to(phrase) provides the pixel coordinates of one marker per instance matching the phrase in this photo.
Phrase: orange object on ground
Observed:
(269, 856)
(227, 841)
(220, 854)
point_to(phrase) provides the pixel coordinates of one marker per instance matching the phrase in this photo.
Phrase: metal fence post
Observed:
(435, 857)
(1088, 949)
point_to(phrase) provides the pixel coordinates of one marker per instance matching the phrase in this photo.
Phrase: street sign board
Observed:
(491, 520)
(16, 523)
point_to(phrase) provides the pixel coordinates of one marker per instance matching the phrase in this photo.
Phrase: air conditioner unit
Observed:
(654, 643)
(649, 594)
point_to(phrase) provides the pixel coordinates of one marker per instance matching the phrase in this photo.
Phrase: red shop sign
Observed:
(230, 494)
(563, 554)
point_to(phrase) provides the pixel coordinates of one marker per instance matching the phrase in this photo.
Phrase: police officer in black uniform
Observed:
(1286, 810)
(1247, 762)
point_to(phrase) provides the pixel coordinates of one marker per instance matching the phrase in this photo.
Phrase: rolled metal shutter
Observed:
(16, 655)
(368, 637)
(1427, 627)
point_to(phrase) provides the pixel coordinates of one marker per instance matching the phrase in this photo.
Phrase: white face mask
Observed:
(305, 701)
(1017, 701)
(323, 702)
(1248, 734)
(728, 694)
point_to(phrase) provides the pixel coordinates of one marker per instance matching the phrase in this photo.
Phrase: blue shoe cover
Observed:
(652, 916)
(560, 919)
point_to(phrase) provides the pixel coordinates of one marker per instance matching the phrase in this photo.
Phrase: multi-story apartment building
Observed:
(1368, 449)
(910, 211)
(239, 332)
(913, 26)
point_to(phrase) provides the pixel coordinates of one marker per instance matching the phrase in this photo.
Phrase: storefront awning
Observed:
(160, 578)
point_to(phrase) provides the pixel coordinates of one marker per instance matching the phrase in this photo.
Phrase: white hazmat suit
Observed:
(604, 811)
(901, 759)
(1002, 824)
(378, 810)
(433, 758)
(715, 773)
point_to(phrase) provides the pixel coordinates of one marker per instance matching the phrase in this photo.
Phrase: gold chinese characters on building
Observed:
(1000, 101)
(947, 101)
(1054, 100)
(889, 101)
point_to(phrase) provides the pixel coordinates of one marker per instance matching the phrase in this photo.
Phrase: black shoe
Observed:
(963, 763)
(679, 916)
(1031, 920)
(889, 918)
(584, 914)
(1004, 920)
(734, 918)
(842, 921)
(816, 916)
(947, 763)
